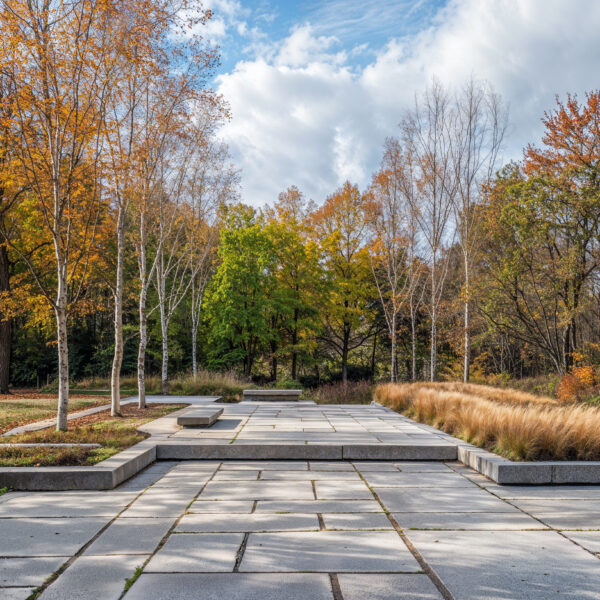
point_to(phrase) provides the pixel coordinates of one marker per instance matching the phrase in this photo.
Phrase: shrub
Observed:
(351, 392)
(577, 384)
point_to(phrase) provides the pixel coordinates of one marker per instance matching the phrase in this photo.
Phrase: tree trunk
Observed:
(294, 342)
(141, 367)
(63, 360)
(294, 365)
(194, 352)
(413, 341)
(115, 376)
(165, 360)
(467, 348)
(393, 367)
(433, 348)
(274, 368)
(345, 358)
(373, 357)
(5, 324)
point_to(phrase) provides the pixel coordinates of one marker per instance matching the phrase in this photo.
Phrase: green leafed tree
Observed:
(239, 299)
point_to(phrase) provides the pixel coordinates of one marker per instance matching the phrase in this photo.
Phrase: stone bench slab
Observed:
(272, 395)
(199, 417)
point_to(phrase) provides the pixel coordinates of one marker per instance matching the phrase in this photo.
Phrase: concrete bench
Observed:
(199, 417)
(272, 395)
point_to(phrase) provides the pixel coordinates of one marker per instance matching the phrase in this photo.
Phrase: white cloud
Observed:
(303, 115)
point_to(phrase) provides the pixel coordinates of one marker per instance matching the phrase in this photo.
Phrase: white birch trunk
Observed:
(393, 368)
(63, 360)
(164, 330)
(115, 378)
(467, 325)
(141, 366)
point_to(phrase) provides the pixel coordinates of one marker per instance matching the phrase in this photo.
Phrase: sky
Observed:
(315, 87)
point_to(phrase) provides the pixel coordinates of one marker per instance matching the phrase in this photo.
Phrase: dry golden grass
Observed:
(517, 425)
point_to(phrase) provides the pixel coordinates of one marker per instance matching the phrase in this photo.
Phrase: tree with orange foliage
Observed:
(542, 230)
(58, 60)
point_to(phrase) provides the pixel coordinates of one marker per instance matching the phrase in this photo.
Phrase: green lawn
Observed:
(20, 408)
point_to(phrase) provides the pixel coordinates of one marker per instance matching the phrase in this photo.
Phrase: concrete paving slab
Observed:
(419, 479)
(476, 521)
(161, 502)
(557, 506)
(47, 536)
(18, 593)
(196, 553)
(258, 490)
(574, 520)
(236, 475)
(377, 466)
(319, 506)
(90, 578)
(590, 540)
(233, 586)
(441, 500)
(330, 466)
(327, 551)
(221, 506)
(387, 587)
(67, 504)
(311, 475)
(355, 521)
(347, 490)
(425, 467)
(567, 492)
(536, 565)
(202, 523)
(28, 571)
(131, 536)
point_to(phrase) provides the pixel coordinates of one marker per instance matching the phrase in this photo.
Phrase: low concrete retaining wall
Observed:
(272, 395)
(103, 476)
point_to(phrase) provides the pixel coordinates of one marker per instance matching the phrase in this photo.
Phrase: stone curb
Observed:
(186, 451)
(508, 472)
(104, 476)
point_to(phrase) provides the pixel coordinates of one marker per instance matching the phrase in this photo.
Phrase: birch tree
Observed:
(427, 136)
(213, 183)
(479, 126)
(57, 57)
(389, 249)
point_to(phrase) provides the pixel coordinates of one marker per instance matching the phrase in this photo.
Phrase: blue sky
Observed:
(315, 87)
(360, 28)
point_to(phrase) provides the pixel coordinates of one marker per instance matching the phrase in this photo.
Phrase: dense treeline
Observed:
(126, 248)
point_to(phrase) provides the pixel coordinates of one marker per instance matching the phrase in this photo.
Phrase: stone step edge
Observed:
(508, 472)
(106, 475)
(115, 470)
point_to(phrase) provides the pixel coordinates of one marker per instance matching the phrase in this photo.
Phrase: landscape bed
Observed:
(513, 424)
(114, 434)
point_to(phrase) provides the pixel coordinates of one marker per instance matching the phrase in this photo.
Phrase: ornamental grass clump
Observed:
(519, 426)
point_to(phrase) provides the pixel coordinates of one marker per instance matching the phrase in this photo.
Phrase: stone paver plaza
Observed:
(303, 529)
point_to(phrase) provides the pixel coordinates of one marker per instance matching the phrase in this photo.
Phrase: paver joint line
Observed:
(437, 582)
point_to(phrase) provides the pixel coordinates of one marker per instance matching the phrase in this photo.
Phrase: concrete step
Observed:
(199, 417)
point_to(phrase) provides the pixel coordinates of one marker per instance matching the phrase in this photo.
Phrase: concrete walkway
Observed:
(306, 530)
